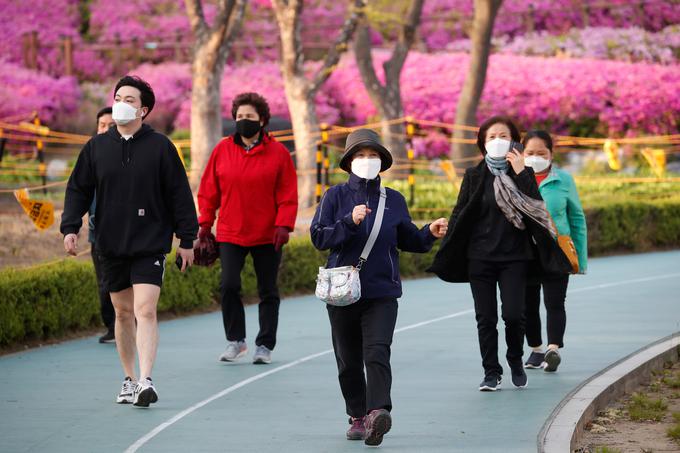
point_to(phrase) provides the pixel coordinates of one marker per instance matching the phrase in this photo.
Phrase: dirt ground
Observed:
(614, 429)
(23, 244)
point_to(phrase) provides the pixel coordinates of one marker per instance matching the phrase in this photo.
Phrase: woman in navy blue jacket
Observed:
(362, 332)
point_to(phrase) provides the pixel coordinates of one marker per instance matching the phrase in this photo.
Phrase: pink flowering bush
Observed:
(627, 44)
(171, 83)
(578, 96)
(24, 91)
(444, 21)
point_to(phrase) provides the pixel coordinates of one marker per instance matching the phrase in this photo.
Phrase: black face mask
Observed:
(247, 128)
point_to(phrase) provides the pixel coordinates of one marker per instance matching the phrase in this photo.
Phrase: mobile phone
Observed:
(178, 262)
(517, 146)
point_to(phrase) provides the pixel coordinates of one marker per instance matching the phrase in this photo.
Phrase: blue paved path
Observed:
(60, 398)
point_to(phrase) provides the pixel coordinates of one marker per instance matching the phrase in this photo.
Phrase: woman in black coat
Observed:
(498, 230)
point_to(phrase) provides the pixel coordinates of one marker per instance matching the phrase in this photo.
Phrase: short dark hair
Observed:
(104, 111)
(486, 125)
(257, 101)
(147, 97)
(540, 134)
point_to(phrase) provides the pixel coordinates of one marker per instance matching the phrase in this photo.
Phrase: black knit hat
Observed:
(364, 138)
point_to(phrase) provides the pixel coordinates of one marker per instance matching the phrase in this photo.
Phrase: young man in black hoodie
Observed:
(143, 197)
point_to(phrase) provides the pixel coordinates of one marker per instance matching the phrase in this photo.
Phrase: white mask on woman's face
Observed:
(366, 168)
(497, 148)
(123, 113)
(538, 163)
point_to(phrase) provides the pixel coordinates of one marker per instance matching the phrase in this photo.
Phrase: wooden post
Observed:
(117, 55)
(319, 161)
(68, 56)
(178, 46)
(33, 50)
(326, 160)
(41, 156)
(410, 132)
(530, 23)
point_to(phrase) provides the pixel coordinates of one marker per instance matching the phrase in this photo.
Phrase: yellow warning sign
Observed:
(40, 212)
(611, 149)
(656, 159)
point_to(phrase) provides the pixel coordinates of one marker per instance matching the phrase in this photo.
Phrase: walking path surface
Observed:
(60, 398)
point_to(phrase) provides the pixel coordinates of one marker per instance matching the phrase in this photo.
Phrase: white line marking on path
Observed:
(158, 429)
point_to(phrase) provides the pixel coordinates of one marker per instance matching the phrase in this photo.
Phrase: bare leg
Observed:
(145, 303)
(123, 303)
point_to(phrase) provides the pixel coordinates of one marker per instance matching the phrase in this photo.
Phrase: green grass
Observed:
(643, 408)
(672, 381)
(605, 449)
(674, 431)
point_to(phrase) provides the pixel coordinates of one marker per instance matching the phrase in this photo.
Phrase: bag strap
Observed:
(375, 230)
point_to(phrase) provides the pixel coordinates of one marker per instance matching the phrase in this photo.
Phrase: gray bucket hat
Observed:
(364, 138)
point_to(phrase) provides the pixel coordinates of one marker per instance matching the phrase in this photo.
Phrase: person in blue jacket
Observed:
(362, 332)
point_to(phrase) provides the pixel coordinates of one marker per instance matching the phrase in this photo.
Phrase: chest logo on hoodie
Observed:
(140, 212)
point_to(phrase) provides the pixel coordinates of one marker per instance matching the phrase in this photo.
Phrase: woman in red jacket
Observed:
(251, 180)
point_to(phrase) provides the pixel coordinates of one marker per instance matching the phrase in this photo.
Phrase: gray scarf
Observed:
(514, 203)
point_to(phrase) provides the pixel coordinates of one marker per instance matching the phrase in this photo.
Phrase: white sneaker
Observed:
(145, 393)
(126, 394)
(262, 355)
(235, 350)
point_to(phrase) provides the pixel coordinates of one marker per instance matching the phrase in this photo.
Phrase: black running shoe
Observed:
(552, 360)
(535, 360)
(519, 377)
(491, 383)
(108, 337)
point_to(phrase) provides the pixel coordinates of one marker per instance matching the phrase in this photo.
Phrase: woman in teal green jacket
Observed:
(561, 198)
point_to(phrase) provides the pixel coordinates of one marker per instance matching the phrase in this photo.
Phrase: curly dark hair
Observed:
(486, 125)
(147, 97)
(257, 101)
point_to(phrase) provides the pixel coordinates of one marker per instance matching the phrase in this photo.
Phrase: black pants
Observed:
(108, 313)
(510, 276)
(362, 336)
(266, 262)
(554, 295)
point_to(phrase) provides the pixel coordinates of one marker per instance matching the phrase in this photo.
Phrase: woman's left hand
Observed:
(439, 227)
(516, 159)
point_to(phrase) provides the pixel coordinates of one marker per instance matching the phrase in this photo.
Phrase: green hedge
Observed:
(49, 301)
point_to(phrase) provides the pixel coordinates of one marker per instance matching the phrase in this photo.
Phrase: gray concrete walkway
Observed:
(60, 398)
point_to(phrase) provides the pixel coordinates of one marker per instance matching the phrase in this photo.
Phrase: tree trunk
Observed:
(206, 115)
(482, 28)
(393, 133)
(300, 91)
(387, 97)
(211, 48)
(306, 126)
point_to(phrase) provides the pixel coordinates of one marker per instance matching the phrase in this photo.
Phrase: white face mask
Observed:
(123, 113)
(538, 163)
(497, 148)
(366, 168)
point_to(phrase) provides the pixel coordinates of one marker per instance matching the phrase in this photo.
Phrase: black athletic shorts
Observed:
(121, 273)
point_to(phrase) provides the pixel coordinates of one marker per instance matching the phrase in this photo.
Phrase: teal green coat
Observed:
(561, 198)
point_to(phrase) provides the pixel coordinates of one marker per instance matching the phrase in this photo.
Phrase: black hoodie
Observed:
(143, 194)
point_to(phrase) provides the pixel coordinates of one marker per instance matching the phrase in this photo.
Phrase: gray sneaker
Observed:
(235, 350)
(262, 355)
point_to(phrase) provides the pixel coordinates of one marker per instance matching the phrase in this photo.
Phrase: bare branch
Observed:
(196, 16)
(364, 58)
(288, 14)
(339, 47)
(407, 36)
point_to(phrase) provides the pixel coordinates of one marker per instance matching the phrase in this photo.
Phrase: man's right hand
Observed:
(359, 213)
(71, 243)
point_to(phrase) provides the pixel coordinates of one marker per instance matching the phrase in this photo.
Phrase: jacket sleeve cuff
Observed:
(350, 222)
(186, 244)
(69, 230)
(429, 237)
